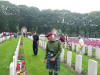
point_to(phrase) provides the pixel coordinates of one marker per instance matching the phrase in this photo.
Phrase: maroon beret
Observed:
(48, 34)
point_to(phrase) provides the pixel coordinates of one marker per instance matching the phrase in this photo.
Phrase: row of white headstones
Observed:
(92, 65)
(13, 64)
(90, 50)
(2, 39)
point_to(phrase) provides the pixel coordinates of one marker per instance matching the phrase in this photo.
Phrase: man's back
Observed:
(35, 38)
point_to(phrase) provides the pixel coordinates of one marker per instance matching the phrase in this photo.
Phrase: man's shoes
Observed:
(34, 55)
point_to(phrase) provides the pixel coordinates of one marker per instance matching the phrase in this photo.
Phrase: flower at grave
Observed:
(21, 43)
(21, 48)
(21, 72)
(22, 56)
(69, 46)
(24, 70)
(18, 56)
(18, 64)
(23, 63)
(18, 68)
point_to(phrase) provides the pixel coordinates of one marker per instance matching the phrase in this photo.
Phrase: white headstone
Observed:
(0, 40)
(62, 55)
(83, 50)
(39, 42)
(69, 58)
(42, 43)
(45, 45)
(11, 68)
(90, 51)
(73, 46)
(15, 64)
(78, 64)
(77, 49)
(92, 67)
(97, 53)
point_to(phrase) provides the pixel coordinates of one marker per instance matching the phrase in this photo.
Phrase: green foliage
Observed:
(13, 18)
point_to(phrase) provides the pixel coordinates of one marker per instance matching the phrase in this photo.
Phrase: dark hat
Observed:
(34, 32)
(48, 34)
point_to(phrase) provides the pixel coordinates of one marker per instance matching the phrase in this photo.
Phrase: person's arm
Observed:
(33, 37)
(38, 40)
(59, 49)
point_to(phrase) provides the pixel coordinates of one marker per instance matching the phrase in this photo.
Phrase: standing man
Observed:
(53, 50)
(80, 44)
(67, 38)
(62, 39)
(35, 43)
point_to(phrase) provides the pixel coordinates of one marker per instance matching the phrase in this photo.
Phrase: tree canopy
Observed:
(14, 17)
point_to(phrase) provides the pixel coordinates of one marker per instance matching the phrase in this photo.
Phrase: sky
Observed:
(79, 6)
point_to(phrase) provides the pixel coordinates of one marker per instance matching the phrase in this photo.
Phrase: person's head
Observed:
(34, 33)
(79, 37)
(62, 34)
(50, 36)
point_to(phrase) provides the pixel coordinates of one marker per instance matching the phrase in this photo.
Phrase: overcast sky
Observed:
(80, 6)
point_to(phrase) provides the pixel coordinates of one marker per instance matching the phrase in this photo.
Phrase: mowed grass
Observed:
(35, 65)
(7, 50)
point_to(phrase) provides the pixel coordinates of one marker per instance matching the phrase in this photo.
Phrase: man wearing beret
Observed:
(53, 50)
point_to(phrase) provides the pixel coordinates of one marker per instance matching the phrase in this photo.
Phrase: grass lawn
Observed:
(7, 50)
(35, 65)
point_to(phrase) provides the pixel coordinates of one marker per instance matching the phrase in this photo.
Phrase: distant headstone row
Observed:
(2, 39)
(89, 49)
(13, 64)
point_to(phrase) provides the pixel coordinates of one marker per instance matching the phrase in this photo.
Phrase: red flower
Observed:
(23, 56)
(18, 64)
(18, 67)
(23, 63)
(23, 70)
(18, 56)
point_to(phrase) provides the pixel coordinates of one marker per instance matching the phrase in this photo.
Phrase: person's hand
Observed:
(45, 60)
(37, 42)
(53, 59)
(81, 46)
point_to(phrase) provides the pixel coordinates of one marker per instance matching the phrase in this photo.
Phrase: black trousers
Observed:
(35, 48)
